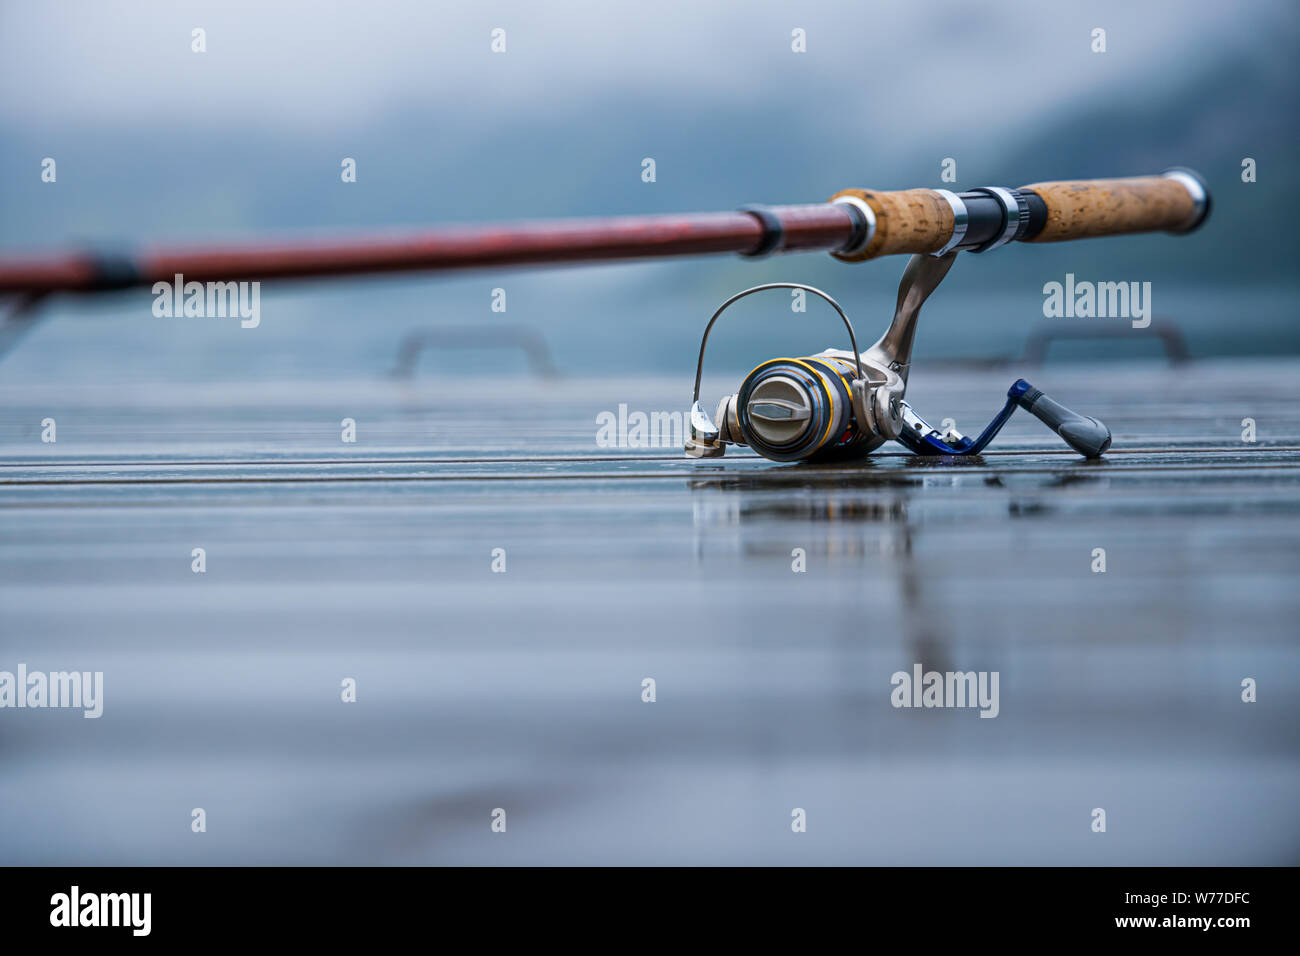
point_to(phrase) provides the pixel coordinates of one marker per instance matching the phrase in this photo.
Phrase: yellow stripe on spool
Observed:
(830, 393)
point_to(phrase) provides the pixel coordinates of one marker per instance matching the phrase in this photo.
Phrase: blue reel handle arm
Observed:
(1088, 436)
(922, 439)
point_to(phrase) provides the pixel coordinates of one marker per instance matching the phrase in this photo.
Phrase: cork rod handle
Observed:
(933, 221)
(907, 221)
(1084, 209)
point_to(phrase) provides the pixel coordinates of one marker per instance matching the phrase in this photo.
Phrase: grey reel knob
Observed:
(779, 410)
(1087, 436)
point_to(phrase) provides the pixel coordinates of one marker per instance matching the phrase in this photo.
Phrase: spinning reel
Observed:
(838, 404)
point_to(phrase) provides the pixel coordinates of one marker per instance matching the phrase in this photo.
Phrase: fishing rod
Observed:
(856, 225)
(832, 405)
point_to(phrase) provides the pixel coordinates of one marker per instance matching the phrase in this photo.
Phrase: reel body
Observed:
(797, 409)
(839, 405)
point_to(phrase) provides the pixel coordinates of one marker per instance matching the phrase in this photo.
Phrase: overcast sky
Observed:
(313, 63)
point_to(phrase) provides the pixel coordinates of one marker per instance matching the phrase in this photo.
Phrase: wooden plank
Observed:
(523, 689)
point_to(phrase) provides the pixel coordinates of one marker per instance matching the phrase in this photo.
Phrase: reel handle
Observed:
(1087, 436)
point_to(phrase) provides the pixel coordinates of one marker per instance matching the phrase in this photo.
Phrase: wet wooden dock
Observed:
(523, 690)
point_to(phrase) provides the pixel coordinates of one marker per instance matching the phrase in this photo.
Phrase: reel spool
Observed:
(798, 409)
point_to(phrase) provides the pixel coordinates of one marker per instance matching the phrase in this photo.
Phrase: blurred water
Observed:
(617, 320)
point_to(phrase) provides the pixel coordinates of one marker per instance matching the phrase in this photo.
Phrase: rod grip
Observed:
(906, 221)
(1086, 208)
(917, 221)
